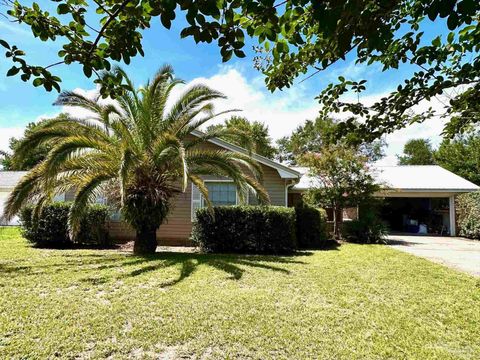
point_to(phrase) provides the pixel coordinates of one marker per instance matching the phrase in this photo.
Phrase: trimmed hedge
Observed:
(245, 230)
(50, 229)
(468, 215)
(311, 225)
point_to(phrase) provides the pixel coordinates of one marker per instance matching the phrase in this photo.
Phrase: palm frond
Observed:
(190, 100)
(70, 98)
(200, 184)
(126, 163)
(27, 189)
(195, 124)
(136, 144)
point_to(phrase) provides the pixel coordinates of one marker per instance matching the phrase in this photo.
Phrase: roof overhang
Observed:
(421, 192)
(284, 171)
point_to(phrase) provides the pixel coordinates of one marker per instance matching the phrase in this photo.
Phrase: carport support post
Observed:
(451, 209)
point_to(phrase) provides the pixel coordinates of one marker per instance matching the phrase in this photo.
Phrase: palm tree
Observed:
(137, 143)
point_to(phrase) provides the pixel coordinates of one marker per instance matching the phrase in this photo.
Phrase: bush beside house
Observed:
(245, 230)
(50, 228)
(311, 226)
(468, 215)
(368, 228)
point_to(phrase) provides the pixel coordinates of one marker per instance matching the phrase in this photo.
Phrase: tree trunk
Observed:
(337, 222)
(145, 242)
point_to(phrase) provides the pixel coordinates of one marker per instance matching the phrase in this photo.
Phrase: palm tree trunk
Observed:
(145, 242)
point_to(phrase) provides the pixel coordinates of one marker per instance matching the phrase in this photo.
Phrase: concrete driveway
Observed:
(457, 253)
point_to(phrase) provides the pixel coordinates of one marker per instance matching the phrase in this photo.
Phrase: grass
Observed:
(355, 302)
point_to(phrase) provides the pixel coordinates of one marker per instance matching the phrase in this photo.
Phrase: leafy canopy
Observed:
(138, 144)
(313, 136)
(252, 136)
(294, 37)
(461, 156)
(340, 178)
(417, 152)
(31, 158)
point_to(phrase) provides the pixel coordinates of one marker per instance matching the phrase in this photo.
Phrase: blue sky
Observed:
(21, 103)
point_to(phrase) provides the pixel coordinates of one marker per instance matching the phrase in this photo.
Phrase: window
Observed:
(59, 197)
(220, 193)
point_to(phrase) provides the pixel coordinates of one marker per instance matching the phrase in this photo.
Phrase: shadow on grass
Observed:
(234, 266)
(100, 268)
(400, 242)
(329, 245)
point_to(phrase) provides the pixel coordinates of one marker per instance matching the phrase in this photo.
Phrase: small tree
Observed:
(417, 152)
(32, 157)
(138, 143)
(461, 156)
(253, 136)
(341, 178)
(312, 136)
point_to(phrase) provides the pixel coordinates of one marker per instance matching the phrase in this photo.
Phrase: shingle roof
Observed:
(8, 179)
(404, 178)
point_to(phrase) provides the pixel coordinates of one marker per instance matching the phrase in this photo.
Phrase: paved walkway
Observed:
(457, 253)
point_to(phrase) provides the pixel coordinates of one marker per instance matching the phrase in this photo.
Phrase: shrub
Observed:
(369, 228)
(50, 228)
(245, 229)
(311, 226)
(468, 215)
(93, 228)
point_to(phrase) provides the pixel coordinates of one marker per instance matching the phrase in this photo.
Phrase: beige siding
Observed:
(176, 230)
(178, 224)
(275, 186)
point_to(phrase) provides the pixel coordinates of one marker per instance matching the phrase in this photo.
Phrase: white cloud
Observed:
(7, 133)
(430, 129)
(282, 111)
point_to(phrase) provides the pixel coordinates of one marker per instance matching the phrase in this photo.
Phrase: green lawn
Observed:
(355, 302)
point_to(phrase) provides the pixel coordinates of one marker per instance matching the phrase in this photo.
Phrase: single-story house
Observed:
(277, 179)
(8, 180)
(419, 199)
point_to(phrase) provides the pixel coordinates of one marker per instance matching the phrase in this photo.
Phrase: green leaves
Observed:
(63, 9)
(87, 70)
(13, 71)
(294, 37)
(4, 44)
(437, 41)
(37, 82)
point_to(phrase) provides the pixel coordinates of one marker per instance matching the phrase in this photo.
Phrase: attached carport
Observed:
(420, 213)
(421, 199)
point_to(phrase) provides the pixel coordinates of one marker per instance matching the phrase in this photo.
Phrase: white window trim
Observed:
(201, 200)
